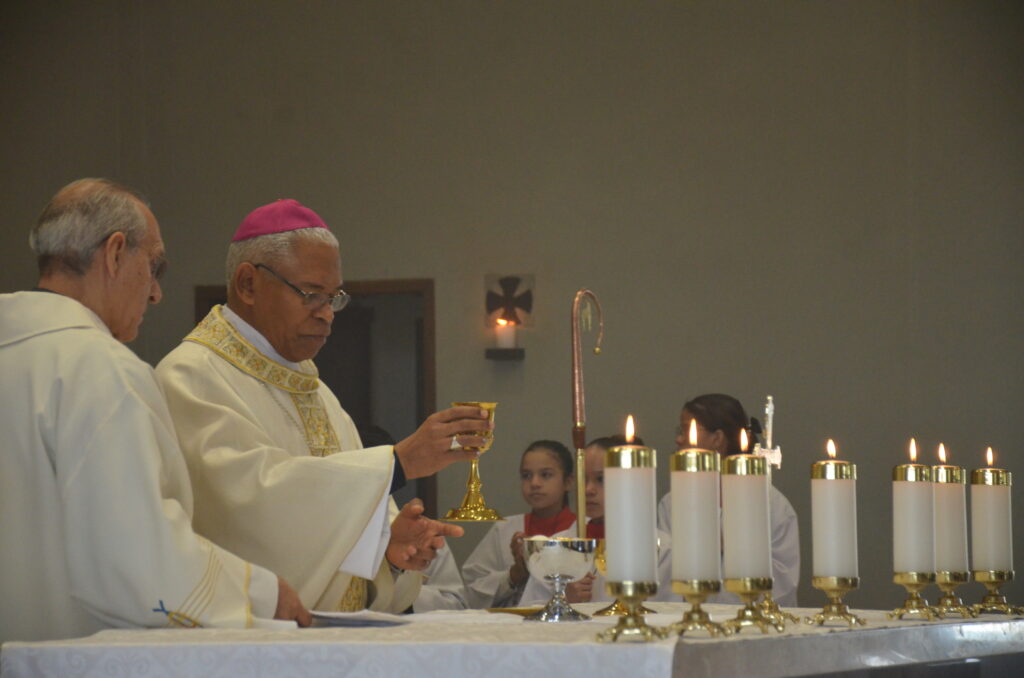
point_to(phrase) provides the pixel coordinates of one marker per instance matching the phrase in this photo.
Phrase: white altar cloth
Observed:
(474, 643)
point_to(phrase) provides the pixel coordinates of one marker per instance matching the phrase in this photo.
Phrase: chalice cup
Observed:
(559, 560)
(474, 508)
(617, 607)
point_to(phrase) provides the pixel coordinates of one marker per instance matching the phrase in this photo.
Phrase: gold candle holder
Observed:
(696, 591)
(915, 604)
(771, 610)
(632, 626)
(950, 604)
(835, 610)
(749, 589)
(994, 602)
(474, 508)
(616, 608)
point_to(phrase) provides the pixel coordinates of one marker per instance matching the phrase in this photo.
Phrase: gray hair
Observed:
(80, 218)
(273, 248)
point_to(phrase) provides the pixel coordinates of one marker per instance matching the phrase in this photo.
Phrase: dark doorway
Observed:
(379, 361)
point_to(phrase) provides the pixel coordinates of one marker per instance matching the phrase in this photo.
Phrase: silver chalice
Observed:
(559, 560)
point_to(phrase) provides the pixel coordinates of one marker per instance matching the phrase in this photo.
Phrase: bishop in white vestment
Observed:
(275, 461)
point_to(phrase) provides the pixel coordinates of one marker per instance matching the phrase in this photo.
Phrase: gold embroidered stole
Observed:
(222, 338)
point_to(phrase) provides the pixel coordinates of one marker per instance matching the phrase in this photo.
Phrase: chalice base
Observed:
(632, 626)
(474, 509)
(772, 611)
(558, 609)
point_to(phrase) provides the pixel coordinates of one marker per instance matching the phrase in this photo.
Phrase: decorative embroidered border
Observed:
(218, 335)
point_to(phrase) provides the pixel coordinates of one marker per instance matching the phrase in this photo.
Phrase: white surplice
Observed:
(785, 547)
(277, 466)
(442, 587)
(539, 591)
(95, 500)
(486, 569)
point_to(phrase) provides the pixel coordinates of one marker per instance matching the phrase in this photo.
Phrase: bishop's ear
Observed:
(243, 283)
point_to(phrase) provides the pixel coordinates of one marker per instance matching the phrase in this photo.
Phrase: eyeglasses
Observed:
(314, 300)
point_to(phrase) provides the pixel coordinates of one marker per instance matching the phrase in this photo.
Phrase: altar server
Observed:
(443, 588)
(495, 572)
(276, 462)
(719, 421)
(95, 500)
(592, 586)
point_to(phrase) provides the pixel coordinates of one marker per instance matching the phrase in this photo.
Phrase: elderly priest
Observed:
(275, 460)
(95, 501)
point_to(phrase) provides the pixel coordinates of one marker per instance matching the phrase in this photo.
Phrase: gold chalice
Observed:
(474, 509)
(617, 608)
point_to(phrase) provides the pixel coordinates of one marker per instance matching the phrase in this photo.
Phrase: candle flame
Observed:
(502, 322)
(693, 433)
(913, 450)
(942, 453)
(744, 443)
(830, 446)
(988, 456)
(629, 429)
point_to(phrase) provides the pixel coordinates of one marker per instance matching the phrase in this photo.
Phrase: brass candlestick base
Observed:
(696, 592)
(616, 608)
(950, 604)
(748, 589)
(632, 626)
(474, 508)
(771, 609)
(913, 582)
(835, 610)
(994, 602)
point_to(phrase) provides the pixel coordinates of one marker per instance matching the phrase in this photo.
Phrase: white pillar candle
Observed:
(913, 531)
(991, 524)
(630, 518)
(834, 517)
(505, 334)
(696, 530)
(746, 524)
(950, 519)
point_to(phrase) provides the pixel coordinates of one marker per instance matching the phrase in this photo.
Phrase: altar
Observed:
(476, 643)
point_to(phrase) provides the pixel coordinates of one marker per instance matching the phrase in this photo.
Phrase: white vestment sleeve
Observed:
(486, 570)
(785, 549)
(365, 557)
(443, 588)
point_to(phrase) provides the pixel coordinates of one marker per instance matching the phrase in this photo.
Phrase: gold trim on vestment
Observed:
(222, 338)
(355, 597)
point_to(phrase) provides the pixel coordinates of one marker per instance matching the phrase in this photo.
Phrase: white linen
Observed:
(785, 547)
(485, 571)
(260, 492)
(95, 526)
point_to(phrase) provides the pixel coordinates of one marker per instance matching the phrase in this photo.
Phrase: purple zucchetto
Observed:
(277, 217)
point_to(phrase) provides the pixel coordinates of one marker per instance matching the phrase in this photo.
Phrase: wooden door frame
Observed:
(426, 488)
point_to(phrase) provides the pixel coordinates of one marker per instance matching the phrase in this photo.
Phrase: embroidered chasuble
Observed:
(95, 530)
(278, 470)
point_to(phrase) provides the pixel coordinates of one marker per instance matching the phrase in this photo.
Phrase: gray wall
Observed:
(821, 201)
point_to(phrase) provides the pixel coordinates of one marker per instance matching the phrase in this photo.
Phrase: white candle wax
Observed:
(913, 530)
(696, 531)
(950, 502)
(991, 525)
(834, 527)
(746, 526)
(505, 335)
(630, 524)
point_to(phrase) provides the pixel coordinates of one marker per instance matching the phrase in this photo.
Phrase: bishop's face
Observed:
(295, 329)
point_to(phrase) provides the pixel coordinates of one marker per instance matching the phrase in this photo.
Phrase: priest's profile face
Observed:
(296, 325)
